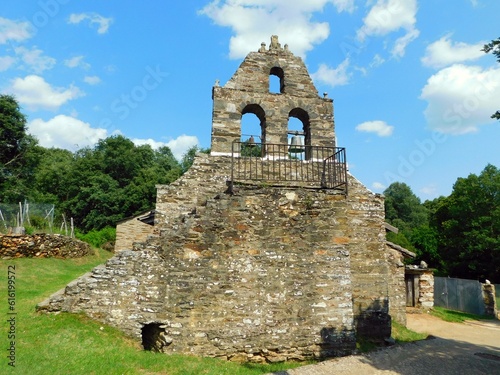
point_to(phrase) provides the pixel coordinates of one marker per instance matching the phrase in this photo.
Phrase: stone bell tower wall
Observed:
(248, 92)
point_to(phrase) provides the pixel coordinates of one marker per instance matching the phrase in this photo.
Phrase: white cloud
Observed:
(444, 52)
(461, 98)
(15, 31)
(381, 128)
(179, 146)
(401, 43)
(377, 61)
(430, 190)
(6, 62)
(76, 62)
(333, 76)
(92, 80)
(65, 132)
(378, 186)
(254, 21)
(34, 92)
(101, 22)
(388, 16)
(34, 59)
(344, 5)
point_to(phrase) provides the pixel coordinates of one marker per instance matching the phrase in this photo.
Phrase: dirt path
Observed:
(455, 348)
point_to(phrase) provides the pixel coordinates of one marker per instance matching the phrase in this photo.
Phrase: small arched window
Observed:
(276, 80)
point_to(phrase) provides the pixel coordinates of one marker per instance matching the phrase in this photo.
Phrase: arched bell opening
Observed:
(299, 134)
(253, 130)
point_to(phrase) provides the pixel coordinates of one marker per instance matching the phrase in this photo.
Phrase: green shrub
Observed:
(97, 238)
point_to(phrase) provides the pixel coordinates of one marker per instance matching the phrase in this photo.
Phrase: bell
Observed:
(296, 145)
(251, 141)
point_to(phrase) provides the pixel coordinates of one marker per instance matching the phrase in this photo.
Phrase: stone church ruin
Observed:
(264, 250)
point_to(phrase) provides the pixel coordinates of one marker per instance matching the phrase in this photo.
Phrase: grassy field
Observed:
(74, 344)
(455, 316)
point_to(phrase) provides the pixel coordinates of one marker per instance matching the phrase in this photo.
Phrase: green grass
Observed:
(455, 316)
(402, 334)
(74, 344)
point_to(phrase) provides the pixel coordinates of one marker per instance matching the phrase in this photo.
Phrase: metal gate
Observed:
(459, 295)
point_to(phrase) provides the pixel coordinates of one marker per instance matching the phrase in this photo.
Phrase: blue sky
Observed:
(413, 92)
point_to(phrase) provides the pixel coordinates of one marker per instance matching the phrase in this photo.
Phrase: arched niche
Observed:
(276, 80)
(298, 121)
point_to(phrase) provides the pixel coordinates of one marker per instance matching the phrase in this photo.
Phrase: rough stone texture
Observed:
(42, 245)
(490, 306)
(248, 92)
(129, 231)
(397, 286)
(260, 272)
(265, 274)
(424, 286)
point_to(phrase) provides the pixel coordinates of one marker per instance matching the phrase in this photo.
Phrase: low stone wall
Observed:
(42, 245)
(490, 306)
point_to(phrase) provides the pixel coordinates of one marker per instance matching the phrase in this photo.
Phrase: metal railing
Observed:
(311, 166)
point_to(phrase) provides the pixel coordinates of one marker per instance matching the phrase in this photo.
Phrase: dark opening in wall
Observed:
(154, 337)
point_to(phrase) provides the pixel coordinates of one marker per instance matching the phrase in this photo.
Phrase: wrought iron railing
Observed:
(312, 166)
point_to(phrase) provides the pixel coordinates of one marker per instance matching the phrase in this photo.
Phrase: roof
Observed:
(406, 253)
(147, 217)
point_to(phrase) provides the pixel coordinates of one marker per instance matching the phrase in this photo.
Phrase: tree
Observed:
(468, 226)
(403, 209)
(113, 180)
(18, 152)
(494, 48)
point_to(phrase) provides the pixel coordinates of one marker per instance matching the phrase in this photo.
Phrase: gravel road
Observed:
(454, 348)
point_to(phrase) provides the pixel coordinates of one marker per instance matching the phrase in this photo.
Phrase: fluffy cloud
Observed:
(34, 59)
(179, 146)
(15, 31)
(6, 62)
(381, 128)
(35, 93)
(65, 132)
(76, 62)
(388, 16)
(92, 80)
(461, 98)
(333, 76)
(254, 21)
(95, 19)
(444, 52)
(378, 186)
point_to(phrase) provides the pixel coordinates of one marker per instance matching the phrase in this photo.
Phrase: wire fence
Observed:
(33, 216)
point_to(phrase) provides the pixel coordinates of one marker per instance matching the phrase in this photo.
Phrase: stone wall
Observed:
(248, 92)
(42, 245)
(490, 306)
(129, 231)
(397, 286)
(266, 274)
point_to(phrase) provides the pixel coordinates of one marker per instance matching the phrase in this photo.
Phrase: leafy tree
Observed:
(468, 226)
(403, 209)
(188, 157)
(114, 180)
(18, 152)
(494, 48)
(52, 175)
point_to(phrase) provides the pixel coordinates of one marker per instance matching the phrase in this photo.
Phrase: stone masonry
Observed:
(258, 272)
